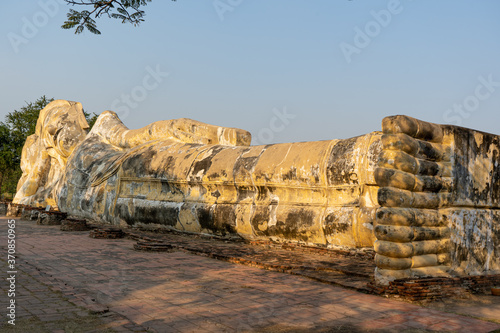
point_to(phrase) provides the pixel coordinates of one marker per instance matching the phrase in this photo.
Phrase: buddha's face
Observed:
(64, 127)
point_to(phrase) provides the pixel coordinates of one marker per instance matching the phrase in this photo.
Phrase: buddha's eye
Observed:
(57, 133)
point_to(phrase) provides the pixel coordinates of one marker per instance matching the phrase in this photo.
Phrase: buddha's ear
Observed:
(51, 129)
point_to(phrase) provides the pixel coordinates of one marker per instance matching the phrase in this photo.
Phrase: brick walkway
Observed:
(132, 291)
(348, 269)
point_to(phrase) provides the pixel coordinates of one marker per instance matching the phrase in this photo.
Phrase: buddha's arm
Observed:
(110, 127)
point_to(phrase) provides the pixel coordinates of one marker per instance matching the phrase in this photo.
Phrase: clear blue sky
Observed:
(337, 66)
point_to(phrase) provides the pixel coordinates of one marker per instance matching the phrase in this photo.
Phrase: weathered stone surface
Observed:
(14, 210)
(3, 207)
(51, 218)
(446, 214)
(475, 237)
(197, 177)
(72, 224)
(61, 126)
(413, 127)
(408, 234)
(30, 213)
(385, 262)
(428, 193)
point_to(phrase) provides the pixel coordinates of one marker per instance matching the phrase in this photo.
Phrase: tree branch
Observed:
(128, 11)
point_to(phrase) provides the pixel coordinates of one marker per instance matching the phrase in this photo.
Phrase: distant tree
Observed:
(18, 125)
(22, 123)
(7, 156)
(90, 119)
(128, 11)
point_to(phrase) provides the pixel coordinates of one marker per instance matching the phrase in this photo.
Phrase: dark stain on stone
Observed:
(166, 215)
(296, 220)
(263, 192)
(315, 171)
(291, 174)
(224, 219)
(260, 219)
(489, 143)
(167, 187)
(467, 151)
(481, 196)
(140, 162)
(432, 184)
(205, 218)
(460, 168)
(334, 225)
(213, 176)
(63, 201)
(341, 163)
(245, 164)
(245, 192)
(86, 205)
(205, 163)
(259, 176)
(428, 168)
(495, 178)
(426, 149)
(384, 195)
(296, 225)
(121, 210)
(169, 162)
(495, 235)
(100, 194)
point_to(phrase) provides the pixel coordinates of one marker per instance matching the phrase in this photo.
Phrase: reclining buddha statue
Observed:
(417, 192)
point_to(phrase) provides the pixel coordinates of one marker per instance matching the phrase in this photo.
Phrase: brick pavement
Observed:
(349, 269)
(43, 309)
(134, 291)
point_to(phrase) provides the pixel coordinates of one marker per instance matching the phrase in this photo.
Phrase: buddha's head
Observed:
(61, 126)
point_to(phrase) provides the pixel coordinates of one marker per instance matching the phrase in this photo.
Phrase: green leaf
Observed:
(69, 24)
(91, 27)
